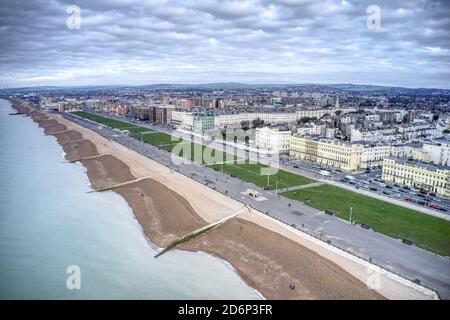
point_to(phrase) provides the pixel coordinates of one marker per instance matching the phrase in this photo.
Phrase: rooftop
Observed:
(420, 164)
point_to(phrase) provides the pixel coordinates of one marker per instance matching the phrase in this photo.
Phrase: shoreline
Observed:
(312, 284)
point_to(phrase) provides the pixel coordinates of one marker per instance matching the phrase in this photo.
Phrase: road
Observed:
(407, 260)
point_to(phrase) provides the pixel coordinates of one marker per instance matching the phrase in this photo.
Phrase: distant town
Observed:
(401, 135)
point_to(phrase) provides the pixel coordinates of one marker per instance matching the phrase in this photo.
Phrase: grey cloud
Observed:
(287, 41)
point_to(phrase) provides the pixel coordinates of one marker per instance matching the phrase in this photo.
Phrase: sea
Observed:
(57, 241)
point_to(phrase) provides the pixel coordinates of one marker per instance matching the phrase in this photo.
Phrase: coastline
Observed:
(265, 258)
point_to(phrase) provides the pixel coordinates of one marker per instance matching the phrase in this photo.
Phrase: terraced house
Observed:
(333, 153)
(417, 174)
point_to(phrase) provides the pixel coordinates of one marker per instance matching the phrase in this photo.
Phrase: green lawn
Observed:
(116, 124)
(205, 155)
(252, 173)
(425, 231)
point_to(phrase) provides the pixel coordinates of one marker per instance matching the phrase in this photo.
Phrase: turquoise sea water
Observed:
(48, 222)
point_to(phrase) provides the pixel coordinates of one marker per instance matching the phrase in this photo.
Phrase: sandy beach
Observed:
(68, 136)
(278, 267)
(279, 263)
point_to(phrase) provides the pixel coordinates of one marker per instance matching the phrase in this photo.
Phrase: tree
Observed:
(305, 120)
(258, 123)
(245, 125)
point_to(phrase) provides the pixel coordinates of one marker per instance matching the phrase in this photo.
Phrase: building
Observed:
(184, 119)
(332, 153)
(140, 112)
(66, 106)
(438, 151)
(161, 114)
(202, 123)
(417, 174)
(272, 140)
(374, 154)
(48, 104)
(312, 129)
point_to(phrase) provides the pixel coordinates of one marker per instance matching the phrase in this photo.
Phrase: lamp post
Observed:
(351, 209)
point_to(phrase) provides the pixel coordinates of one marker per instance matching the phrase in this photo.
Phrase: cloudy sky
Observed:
(203, 41)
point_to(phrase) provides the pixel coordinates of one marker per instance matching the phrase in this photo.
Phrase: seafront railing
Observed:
(413, 282)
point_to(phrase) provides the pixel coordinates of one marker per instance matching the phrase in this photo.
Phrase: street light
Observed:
(351, 209)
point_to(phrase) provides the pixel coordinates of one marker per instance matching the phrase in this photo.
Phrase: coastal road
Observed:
(409, 261)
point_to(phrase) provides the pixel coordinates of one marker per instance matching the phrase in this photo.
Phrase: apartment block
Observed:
(333, 153)
(417, 174)
(272, 140)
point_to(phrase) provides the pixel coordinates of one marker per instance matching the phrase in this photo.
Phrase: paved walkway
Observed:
(303, 186)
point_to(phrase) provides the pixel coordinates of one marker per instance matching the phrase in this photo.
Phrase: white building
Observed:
(272, 140)
(312, 129)
(373, 155)
(438, 151)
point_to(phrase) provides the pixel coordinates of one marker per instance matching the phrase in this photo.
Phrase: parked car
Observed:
(373, 188)
(421, 195)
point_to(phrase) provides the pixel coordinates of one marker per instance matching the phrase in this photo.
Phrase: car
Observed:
(388, 186)
(406, 188)
(408, 199)
(432, 205)
(373, 188)
(432, 194)
(422, 203)
(442, 209)
(296, 167)
(421, 195)
(386, 193)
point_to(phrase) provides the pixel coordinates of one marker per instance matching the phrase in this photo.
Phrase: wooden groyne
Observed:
(198, 232)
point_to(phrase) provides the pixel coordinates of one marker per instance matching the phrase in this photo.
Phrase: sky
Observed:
(136, 42)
